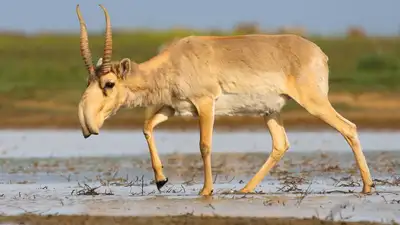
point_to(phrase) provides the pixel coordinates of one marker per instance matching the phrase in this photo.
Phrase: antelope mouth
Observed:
(88, 130)
(86, 135)
(89, 120)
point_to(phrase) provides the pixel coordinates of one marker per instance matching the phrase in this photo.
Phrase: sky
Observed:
(317, 16)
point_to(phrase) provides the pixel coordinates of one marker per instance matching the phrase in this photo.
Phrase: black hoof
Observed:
(161, 183)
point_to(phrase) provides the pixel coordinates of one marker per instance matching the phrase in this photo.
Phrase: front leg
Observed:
(155, 116)
(205, 109)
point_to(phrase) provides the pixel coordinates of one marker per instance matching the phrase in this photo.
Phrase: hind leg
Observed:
(319, 106)
(280, 145)
(205, 107)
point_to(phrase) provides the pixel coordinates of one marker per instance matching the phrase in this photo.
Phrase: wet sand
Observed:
(323, 183)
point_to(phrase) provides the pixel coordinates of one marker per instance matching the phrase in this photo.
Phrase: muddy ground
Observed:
(165, 220)
(109, 179)
(303, 185)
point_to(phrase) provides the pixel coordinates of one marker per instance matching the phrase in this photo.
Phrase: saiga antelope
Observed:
(205, 76)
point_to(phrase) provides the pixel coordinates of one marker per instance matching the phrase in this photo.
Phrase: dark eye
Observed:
(109, 84)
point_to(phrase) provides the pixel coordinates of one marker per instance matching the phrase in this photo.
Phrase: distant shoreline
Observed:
(367, 111)
(292, 120)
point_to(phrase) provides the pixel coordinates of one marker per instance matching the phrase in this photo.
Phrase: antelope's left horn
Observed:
(84, 44)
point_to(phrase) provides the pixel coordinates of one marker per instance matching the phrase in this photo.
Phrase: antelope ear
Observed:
(99, 62)
(126, 67)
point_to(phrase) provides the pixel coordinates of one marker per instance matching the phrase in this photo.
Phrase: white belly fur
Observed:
(237, 105)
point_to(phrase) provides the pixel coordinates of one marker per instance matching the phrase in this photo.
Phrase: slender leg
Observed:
(320, 107)
(280, 145)
(205, 109)
(155, 118)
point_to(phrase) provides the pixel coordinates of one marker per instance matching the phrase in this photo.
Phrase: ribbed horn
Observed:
(107, 44)
(84, 44)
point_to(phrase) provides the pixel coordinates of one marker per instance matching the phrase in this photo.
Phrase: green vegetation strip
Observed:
(46, 66)
(43, 75)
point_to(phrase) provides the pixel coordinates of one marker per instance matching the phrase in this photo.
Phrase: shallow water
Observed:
(70, 143)
(41, 172)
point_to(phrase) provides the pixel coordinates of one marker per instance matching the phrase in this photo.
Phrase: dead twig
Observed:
(215, 178)
(86, 190)
(394, 182)
(346, 182)
(289, 188)
(336, 191)
(304, 194)
(395, 201)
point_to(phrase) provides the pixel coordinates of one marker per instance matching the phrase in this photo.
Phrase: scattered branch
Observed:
(86, 190)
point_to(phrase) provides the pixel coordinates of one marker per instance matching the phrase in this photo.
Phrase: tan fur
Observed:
(206, 76)
(265, 65)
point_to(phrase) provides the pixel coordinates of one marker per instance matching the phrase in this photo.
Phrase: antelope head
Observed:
(105, 92)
